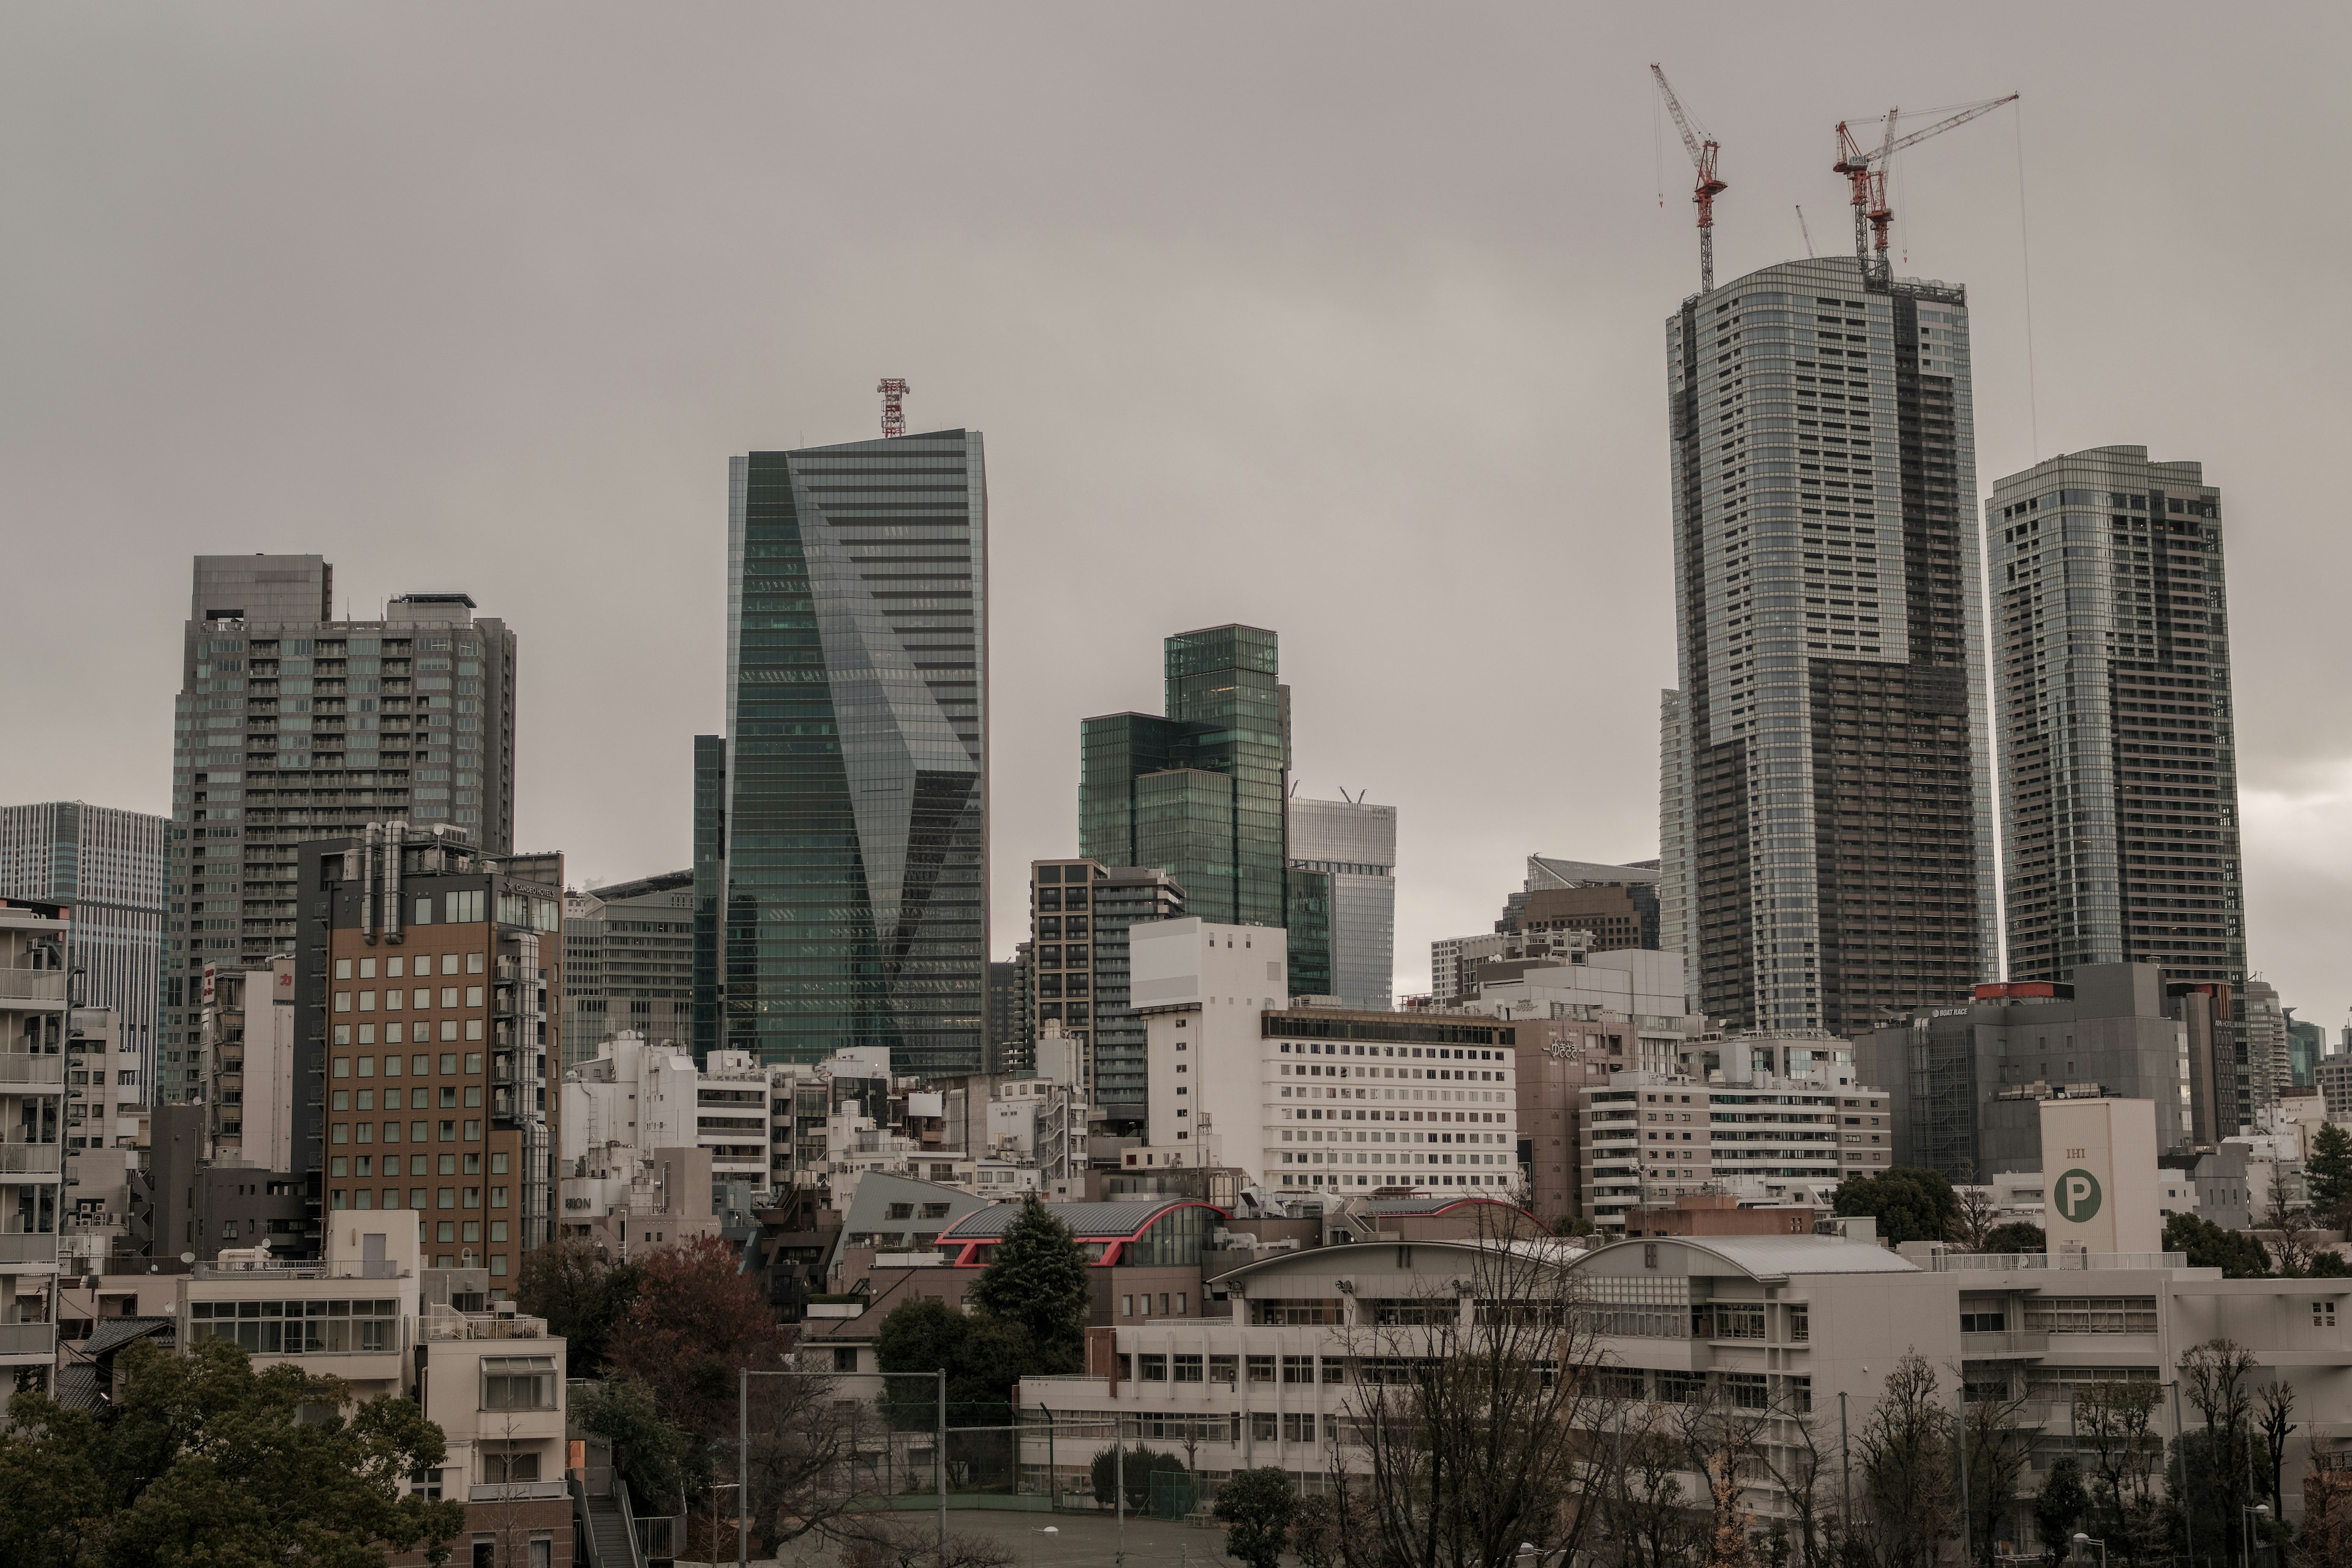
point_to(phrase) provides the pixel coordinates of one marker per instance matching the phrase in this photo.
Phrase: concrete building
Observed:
(1780, 1110)
(628, 962)
(370, 1312)
(2334, 1076)
(2269, 1073)
(1354, 842)
(2306, 1044)
(857, 604)
(1081, 915)
(1966, 1084)
(2118, 757)
(106, 1140)
(246, 1058)
(1618, 904)
(33, 996)
(626, 1201)
(293, 725)
(1239, 1081)
(429, 986)
(1829, 855)
(106, 866)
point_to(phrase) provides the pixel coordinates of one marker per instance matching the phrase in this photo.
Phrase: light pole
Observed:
(2259, 1511)
(2082, 1540)
(716, 1488)
(1049, 1530)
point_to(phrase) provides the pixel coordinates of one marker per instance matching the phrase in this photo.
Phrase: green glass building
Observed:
(1200, 793)
(856, 877)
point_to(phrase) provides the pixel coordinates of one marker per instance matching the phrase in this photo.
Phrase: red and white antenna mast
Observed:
(894, 414)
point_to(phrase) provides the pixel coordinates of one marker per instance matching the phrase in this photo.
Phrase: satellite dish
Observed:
(187, 1258)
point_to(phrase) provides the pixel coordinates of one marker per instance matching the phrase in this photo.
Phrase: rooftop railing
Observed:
(2013, 1262)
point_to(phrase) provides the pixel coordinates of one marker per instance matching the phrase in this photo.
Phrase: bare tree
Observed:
(895, 1541)
(2115, 1422)
(1469, 1429)
(1905, 1449)
(2325, 1540)
(1802, 1474)
(1645, 1514)
(2277, 1422)
(1724, 1442)
(810, 1461)
(1999, 1455)
(1980, 1212)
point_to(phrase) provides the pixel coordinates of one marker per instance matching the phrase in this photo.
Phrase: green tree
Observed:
(1256, 1508)
(985, 1356)
(580, 1293)
(2017, 1235)
(2059, 1507)
(2237, 1255)
(1140, 1465)
(207, 1461)
(1037, 1277)
(660, 1462)
(1318, 1533)
(2328, 1171)
(1909, 1201)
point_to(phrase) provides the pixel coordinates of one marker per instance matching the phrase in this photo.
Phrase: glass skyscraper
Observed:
(856, 881)
(1827, 816)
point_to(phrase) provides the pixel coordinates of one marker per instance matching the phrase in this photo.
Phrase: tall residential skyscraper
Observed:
(709, 881)
(1080, 917)
(105, 866)
(628, 963)
(291, 725)
(2119, 770)
(1828, 857)
(1353, 843)
(1198, 793)
(856, 758)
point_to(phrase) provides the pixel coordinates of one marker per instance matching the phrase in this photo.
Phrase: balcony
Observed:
(36, 1340)
(37, 987)
(2004, 1344)
(28, 1247)
(341, 1268)
(25, 1068)
(28, 1158)
(516, 1491)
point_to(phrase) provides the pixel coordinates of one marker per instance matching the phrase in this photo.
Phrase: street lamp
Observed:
(2260, 1510)
(1049, 1530)
(2082, 1540)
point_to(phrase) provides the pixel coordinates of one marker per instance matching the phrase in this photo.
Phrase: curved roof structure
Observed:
(1105, 1225)
(1772, 1257)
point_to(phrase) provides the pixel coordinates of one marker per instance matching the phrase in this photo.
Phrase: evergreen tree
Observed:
(2329, 1170)
(1037, 1277)
(1256, 1508)
(2017, 1235)
(2060, 1505)
(1909, 1201)
(2237, 1255)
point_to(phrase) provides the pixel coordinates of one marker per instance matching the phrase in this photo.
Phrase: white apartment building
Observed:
(1647, 1137)
(33, 980)
(1315, 1097)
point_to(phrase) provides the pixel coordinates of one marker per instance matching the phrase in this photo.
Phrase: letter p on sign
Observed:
(2078, 1197)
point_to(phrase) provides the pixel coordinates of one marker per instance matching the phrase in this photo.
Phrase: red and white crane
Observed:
(1868, 169)
(1702, 156)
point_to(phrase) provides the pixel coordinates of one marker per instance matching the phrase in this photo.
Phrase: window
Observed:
(845, 1358)
(1298, 1369)
(1225, 1369)
(1297, 1427)
(1984, 1322)
(2323, 1314)
(1278, 1311)
(1801, 1323)
(499, 1469)
(1681, 1387)
(1154, 1368)
(1261, 1369)
(1188, 1369)
(518, 1383)
(2092, 1315)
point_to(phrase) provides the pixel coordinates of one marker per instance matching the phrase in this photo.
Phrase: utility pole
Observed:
(1845, 1471)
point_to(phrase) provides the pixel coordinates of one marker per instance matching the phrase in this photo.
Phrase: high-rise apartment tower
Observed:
(1354, 844)
(106, 866)
(293, 725)
(855, 879)
(1827, 835)
(2119, 755)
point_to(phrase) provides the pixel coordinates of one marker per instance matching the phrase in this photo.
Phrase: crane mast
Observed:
(1702, 150)
(1866, 169)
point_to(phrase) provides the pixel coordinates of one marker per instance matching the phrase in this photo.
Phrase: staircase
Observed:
(610, 1543)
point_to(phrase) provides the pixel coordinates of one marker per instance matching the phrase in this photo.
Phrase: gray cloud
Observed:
(1340, 320)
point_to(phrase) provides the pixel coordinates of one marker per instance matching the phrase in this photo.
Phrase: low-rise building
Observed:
(33, 999)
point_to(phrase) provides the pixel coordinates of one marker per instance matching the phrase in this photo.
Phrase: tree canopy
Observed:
(2017, 1235)
(697, 1319)
(1909, 1201)
(580, 1293)
(1255, 1507)
(1037, 1277)
(207, 1461)
(2237, 1255)
(660, 1462)
(2328, 1170)
(983, 1355)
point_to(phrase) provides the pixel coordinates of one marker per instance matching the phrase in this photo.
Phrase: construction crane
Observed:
(1872, 216)
(1702, 157)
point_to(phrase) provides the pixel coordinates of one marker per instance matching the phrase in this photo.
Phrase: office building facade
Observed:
(628, 963)
(856, 891)
(106, 866)
(1353, 843)
(293, 725)
(709, 888)
(428, 1005)
(1081, 916)
(1827, 859)
(2118, 750)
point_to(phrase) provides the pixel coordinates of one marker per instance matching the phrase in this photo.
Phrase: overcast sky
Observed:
(1341, 319)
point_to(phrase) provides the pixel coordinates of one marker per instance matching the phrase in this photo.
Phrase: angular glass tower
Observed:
(856, 862)
(1826, 823)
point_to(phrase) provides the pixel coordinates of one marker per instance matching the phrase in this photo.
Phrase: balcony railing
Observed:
(1997, 1344)
(35, 985)
(25, 1067)
(516, 1491)
(28, 1339)
(340, 1268)
(28, 1247)
(28, 1158)
(2008, 1262)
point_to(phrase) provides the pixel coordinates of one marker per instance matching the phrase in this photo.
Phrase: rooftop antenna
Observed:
(893, 388)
